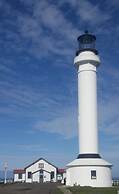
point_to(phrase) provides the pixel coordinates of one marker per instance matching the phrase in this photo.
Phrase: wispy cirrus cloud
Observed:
(112, 5)
(92, 13)
(88, 12)
(64, 124)
(44, 35)
(32, 147)
(108, 98)
(44, 17)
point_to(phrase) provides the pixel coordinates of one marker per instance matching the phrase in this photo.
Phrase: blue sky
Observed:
(38, 82)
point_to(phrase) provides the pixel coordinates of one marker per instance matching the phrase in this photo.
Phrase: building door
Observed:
(52, 176)
(41, 180)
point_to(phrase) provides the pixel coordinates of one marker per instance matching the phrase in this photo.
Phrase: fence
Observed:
(115, 182)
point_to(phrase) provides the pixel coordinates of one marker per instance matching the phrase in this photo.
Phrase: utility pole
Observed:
(5, 172)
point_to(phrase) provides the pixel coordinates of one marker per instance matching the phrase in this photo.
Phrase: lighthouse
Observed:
(88, 169)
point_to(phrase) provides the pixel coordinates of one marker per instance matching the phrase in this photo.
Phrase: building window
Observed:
(29, 175)
(41, 165)
(41, 171)
(52, 174)
(20, 176)
(93, 174)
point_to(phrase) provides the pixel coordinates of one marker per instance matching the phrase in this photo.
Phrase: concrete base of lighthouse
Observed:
(81, 172)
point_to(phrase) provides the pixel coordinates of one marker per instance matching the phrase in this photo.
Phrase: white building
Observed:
(39, 171)
(61, 176)
(19, 175)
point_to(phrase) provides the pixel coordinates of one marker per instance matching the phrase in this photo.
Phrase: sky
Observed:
(38, 81)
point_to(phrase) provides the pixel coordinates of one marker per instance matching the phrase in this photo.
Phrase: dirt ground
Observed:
(25, 188)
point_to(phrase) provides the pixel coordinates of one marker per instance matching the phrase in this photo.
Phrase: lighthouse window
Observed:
(93, 174)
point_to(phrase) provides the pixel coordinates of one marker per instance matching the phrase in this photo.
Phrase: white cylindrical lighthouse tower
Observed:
(87, 62)
(89, 169)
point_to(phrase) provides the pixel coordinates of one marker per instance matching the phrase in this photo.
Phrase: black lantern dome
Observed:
(86, 43)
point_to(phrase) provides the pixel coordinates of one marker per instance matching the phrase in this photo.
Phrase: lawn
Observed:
(90, 190)
(56, 191)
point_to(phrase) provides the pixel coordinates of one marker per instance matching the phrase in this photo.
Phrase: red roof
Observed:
(17, 171)
(61, 170)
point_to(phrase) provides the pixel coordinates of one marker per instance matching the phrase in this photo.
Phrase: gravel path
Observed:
(25, 188)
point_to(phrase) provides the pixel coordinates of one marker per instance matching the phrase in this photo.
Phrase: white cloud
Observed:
(92, 13)
(112, 5)
(88, 12)
(6, 69)
(52, 17)
(65, 124)
(44, 41)
(108, 90)
(57, 39)
(109, 115)
(32, 147)
(18, 100)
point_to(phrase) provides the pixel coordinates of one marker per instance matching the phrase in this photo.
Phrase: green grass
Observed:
(57, 191)
(90, 190)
